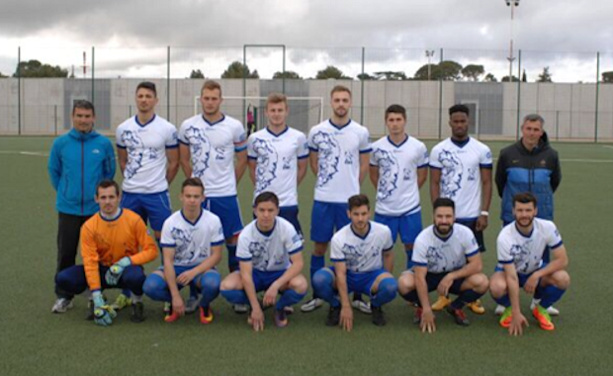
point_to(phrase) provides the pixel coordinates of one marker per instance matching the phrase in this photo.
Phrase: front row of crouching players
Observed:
(270, 260)
(445, 258)
(363, 262)
(191, 248)
(114, 246)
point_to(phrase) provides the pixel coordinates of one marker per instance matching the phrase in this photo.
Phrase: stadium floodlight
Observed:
(429, 55)
(516, 2)
(511, 58)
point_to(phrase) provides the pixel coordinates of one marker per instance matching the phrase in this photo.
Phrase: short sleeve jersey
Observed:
(269, 251)
(441, 255)
(526, 252)
(192, 241)
(397, 189)
(460, 166)
(146, 146)
(276, 157)
(338, 151)
(361, 253)
(212, 147)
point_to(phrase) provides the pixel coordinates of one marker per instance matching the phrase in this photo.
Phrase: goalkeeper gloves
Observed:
(114, 273)
(103, 313)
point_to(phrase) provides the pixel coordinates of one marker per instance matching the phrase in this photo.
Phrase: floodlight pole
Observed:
(511, 58)
(429, 55)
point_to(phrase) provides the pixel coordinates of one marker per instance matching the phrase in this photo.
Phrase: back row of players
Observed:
(446, 255)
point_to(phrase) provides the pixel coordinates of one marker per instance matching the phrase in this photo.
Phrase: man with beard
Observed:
(339, 157)
(446, 258)
(521, 245)
(363, 261)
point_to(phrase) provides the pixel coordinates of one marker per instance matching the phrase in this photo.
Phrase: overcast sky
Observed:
(130, 36)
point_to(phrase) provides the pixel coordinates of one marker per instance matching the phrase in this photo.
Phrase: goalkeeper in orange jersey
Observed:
(114, 246)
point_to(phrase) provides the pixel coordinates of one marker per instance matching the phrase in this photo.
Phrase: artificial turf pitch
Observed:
(36, 342)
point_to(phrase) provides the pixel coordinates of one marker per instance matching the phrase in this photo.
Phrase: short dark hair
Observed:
(192, 182)
(84, 105)
(524, 198)
(443, 202)
(266, 197)
(147, 85)
(459, 108)
(340, 89)
(356, 201)
(106, 183)
(396, 109)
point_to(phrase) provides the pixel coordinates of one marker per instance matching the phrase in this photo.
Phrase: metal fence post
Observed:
(518, 92)
(440, 102)
(93, 74)
(19, 91)
(362, 86)
(597, 96)
(168, 84)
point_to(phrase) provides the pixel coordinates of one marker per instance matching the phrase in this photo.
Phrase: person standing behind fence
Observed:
(79, 160)
(529, 165)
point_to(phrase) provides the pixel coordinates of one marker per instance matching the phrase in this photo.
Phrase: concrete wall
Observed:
(569, 109)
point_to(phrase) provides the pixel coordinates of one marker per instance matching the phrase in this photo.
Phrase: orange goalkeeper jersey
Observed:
(107, 241)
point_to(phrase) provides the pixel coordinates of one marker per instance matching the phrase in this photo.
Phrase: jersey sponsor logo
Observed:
(329, 156)
(220, 152)
(287, 163)
(349, 158)
(388, 173)
(200, 148)
(451, 175)
(472, 174)
(137, 153)
(406, 174)
(266, 165)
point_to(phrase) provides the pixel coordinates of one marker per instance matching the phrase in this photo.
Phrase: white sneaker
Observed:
(553, 311)
(192, 304)
(499, 310)
(61, 305)
(361, 306)
(312, 305)
(241, 308)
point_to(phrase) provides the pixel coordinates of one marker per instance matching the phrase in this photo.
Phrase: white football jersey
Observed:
(276, 157)
(361, 253)
(397, 189)
(212, 147)
(444, 255)
(146, 146)
(192, 241)
(460, 174)
(338, 151)
(269, 251)
(526, 252)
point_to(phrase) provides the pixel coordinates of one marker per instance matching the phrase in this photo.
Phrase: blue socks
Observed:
(235, 296)
(466, 296)
(317, 262)
(409, 262)
(156, 288)
(209, 285)
(551, 294)
(288, 298)
(385, 293)
(322, 287)
(232, 260)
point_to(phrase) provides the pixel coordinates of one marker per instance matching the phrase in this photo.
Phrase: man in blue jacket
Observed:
(529, 165)
(79, 160)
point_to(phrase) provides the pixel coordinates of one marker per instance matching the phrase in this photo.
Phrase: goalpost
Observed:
(304, 112)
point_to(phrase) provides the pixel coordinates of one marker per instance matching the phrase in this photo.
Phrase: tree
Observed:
(34, 68)
(365, 77)
(445, 70)
(545, 76)
(490, 78)
(2, 76)
(524, 78)
(607, 77)
(506, 79)
(239, 70)
(287, 75)
(196, 74)
(331, 72)
(472, 72)
(390, 76)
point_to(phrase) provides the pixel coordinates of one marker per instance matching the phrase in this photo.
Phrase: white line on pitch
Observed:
(608, 146)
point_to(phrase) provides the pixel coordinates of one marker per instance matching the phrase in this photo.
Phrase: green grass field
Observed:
(36, 342)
